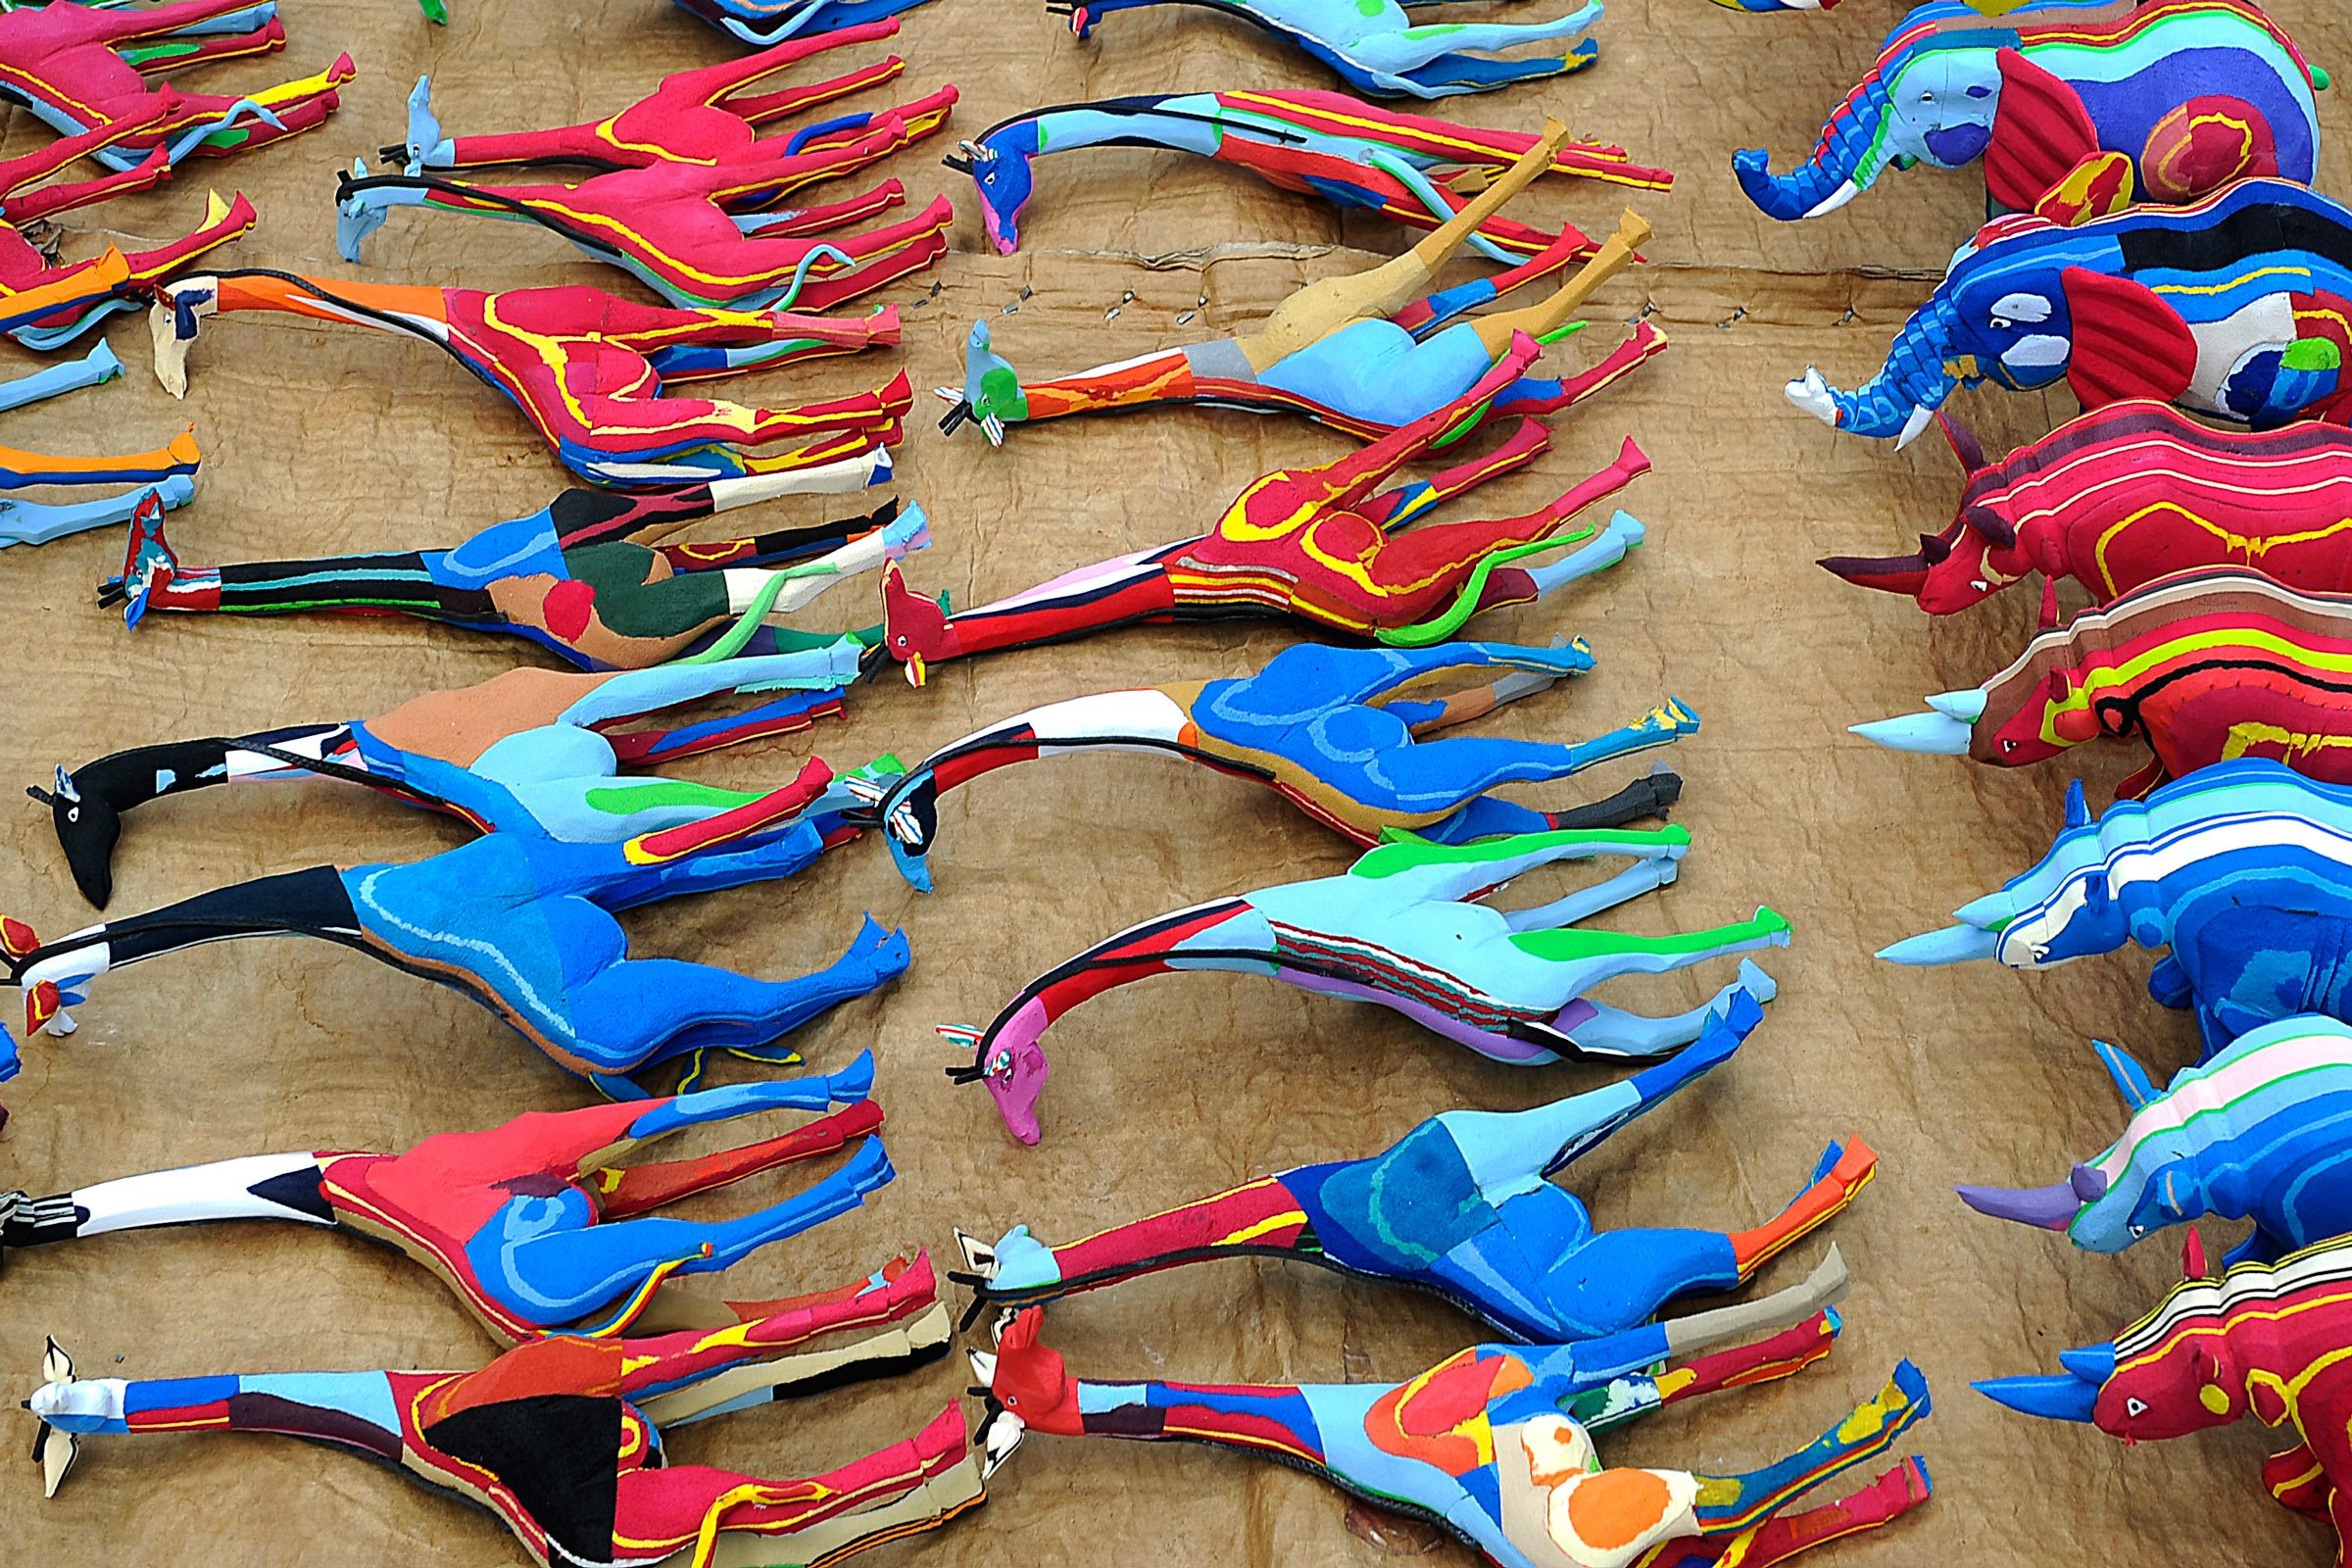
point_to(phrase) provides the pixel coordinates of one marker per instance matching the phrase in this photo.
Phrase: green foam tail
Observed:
(1465, 604)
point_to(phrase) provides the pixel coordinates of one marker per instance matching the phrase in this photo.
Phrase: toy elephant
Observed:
(537, 1225)
(2258, 1133)
(2243, 869)
(1352, 736)
(2201, 667)
(561, 1438)
(1404, 929)
(1494, 1445)
(2230, 308)
(2128, 493)
(2265, 1339)
(2075, 108)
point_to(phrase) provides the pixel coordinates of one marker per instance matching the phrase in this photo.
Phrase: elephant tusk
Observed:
(1836, 198)
(1920, 416)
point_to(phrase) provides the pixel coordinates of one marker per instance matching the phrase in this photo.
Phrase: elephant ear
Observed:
(2040, 133)
(2128, 343)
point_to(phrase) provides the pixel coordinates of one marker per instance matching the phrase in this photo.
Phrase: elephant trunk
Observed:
(1842, 166)
(1904, 395)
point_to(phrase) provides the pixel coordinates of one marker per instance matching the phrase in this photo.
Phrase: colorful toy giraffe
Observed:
(1450, 1208)
(561, 1438)
(1321, 543)
(1404, 929)
(537, 1225)
(1354, 737)
(590, 371)
(1494, 1445)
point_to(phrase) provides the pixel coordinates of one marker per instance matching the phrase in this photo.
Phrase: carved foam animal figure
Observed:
(2203, 666)
(2231, 307)
(536, 1225)
(773, 22)
(708, 115)
(2076, 107)
(166, 477)
(1493, 1445)
(1345, 734)
(82, 68)
(1361, 351)
(1461, 1206)
(525, 926)
(2243, 869)
(528, 749)
(699, 233)
(2256, 1133)
(1375, 47)
(562, 1439)
(1321, 543)
(571, 577)
(170, 471)
(2265, 1339)
(592, 371)
(111, 281)
(1419, 172)
(2128, 493)
(1402, 929)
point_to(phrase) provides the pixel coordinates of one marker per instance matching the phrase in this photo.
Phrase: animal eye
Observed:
(2008, 745)
(72, 813)
(2137, 1231)
(2135, 1407)
(2002, 324)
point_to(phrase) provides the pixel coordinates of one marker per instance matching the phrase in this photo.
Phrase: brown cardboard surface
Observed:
(321, 440)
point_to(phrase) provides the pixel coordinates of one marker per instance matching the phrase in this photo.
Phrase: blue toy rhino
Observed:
(2243, 869)
(2261, 1132)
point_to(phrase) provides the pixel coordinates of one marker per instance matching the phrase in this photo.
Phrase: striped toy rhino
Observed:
(2261, 1132)
(2243, 870)
(2265, 1339)
(2124, 495)
(2203, 666)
